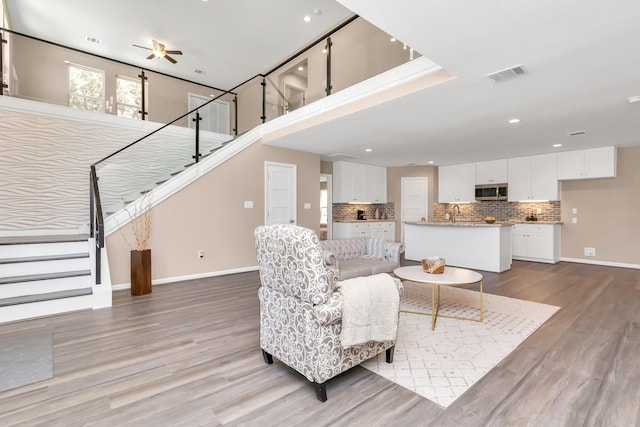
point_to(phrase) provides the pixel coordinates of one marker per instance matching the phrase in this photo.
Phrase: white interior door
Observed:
(215, 117)
(280, 193)
(414, 200)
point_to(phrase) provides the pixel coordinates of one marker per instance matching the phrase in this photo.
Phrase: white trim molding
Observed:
(603, 263)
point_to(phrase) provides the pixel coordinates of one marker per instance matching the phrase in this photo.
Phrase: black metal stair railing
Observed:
(134, 158)
(150, 180)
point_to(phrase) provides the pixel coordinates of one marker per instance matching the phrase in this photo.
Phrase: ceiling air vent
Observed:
(341, 156)
(509, 73)
(578, 132)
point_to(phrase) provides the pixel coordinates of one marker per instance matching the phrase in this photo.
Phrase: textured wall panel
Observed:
(44, 167)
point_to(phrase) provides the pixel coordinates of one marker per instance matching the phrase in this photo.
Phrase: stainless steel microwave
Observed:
(491, 192)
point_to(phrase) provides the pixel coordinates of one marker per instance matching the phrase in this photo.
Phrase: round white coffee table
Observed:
(452, 276)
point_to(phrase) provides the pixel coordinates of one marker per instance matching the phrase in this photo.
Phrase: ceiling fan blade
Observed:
(153, 55)
(174, 52)
(170, 59)
(143, 47)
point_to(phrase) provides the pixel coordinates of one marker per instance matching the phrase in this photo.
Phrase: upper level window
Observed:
(128, 97)
(86, 88)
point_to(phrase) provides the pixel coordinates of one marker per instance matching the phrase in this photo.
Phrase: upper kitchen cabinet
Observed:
(533, 178)
(358, 183)
(457, 183)
(586, 164)
(491, 172)
(376, 176)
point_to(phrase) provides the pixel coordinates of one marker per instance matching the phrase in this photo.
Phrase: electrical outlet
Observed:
(200, 254)
(589, 251)
(574, 220)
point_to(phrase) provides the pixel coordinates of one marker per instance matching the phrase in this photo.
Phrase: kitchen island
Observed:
(475, 245)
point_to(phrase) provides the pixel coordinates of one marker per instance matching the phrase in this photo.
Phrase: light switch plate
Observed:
(307, 205)
(574, 220)
(574, 211)
(248, 204)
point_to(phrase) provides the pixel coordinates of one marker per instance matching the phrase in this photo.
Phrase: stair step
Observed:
(40, 246)
(43, 276)
(26, 299)
(25, 240)
(42, 258)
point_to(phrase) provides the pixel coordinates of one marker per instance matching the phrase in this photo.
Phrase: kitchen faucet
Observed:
(452, 215)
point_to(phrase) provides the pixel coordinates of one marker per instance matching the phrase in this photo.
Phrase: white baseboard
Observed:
(164, 281)
(598, 262)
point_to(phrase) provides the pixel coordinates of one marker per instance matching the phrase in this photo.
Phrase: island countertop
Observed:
(474, 245)
(461, 223)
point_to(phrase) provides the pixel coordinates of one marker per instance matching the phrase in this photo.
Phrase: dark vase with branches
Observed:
(141, 255)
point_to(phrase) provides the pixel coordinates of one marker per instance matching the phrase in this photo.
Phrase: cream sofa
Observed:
(361, 257)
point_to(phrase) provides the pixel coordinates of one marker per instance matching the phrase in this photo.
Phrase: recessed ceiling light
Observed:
(393, 39)
(324, 50)
(431, 162)
(301, 68)
(514, 121)
(307, 18)
(368, 150)
(633, 99)
(557, 145)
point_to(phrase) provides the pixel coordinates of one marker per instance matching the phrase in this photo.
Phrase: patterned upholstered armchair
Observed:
(300, 312)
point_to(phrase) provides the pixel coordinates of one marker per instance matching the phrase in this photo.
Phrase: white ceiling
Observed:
(230, 40)
(582, 59)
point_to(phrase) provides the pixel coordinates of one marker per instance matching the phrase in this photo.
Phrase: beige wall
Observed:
(209, 215)
(394, 188)
(608, 212)
(43, 76)
(361, 50)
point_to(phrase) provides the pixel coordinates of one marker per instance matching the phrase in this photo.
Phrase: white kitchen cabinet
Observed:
(457, 183)
(377, 229)
(587, 164)
(536, 242)
(379, 184)
(491, 172)
(533, 178)
(358, 183)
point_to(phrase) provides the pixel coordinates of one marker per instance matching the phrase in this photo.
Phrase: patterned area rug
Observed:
(442, 364)
(25, 358)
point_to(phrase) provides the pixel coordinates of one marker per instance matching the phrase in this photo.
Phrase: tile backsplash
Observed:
(501, 210)
(348, 211)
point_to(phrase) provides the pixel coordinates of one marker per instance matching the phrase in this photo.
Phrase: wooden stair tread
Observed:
(26, 299)
(43, 276)
(43, 258)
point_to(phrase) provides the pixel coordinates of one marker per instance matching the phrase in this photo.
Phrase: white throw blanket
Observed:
(370, 308)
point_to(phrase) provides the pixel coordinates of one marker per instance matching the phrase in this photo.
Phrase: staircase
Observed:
(44, 275)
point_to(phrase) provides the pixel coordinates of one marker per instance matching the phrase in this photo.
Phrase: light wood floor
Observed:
(188, 355)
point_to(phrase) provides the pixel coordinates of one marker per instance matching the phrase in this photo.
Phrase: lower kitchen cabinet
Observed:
(536, 242)
(378, 229)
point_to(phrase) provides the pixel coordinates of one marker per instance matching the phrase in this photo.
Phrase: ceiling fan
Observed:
(160, 52)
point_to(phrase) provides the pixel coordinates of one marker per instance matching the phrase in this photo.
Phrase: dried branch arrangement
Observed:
(140, 223)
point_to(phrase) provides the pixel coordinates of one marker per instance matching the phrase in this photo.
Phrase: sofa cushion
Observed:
(358, 267)
(375, 248)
